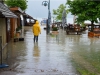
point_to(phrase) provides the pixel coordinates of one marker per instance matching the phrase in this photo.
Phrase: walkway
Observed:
(50, 56)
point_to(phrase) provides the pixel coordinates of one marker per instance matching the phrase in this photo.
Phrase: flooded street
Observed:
(52, 55)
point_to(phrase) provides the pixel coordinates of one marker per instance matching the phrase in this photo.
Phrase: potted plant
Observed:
(18, 32)
(55, 30)
(21, 39)
(18, 29)
(15, 38)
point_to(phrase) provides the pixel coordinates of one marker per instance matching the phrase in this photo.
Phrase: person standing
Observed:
(36, 30)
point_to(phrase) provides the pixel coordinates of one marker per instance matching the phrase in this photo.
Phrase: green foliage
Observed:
(93, 58)
(17, 3)
(83, 25)
(84, 72)
(58, 12)
(18, 28)
(81, 69)
(54, 29)
(85, 10)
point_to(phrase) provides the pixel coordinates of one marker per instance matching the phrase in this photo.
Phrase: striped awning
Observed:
(5, 12)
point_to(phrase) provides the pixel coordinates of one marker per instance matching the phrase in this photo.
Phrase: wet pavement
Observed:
(50, 56)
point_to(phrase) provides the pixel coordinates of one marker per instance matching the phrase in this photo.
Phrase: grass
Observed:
(81, 70)
(92, 57)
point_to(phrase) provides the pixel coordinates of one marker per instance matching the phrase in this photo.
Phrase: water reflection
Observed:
(52, 38)
(36, 52)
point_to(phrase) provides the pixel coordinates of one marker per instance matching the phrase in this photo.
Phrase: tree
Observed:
(85, 10)
(58, 12)
(17, 3)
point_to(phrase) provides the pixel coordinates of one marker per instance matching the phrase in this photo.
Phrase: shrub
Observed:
(54, 29)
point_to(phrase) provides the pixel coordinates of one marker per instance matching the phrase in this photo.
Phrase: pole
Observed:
(49, 18)
(45, 3)
(47, 26)
(49, 5)
(63, 18)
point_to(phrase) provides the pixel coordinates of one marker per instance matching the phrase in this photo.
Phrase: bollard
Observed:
(1, 64)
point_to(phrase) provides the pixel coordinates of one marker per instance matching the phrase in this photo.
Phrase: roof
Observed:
(17, 9)
(5, 12)
(28, 16)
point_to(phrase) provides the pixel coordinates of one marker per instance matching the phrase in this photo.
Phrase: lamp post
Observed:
(47, 3)
(64, 18)
(53, 19)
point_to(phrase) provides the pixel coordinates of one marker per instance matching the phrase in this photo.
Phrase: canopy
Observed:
(5, 12)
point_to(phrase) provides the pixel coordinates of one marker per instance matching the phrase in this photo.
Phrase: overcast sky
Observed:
(37, 10)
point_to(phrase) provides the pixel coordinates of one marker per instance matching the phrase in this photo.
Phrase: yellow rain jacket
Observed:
(36, 29)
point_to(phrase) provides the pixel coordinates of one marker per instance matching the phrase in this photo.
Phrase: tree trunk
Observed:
(92, 26)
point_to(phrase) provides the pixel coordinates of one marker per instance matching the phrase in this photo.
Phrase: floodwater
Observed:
(52, 55)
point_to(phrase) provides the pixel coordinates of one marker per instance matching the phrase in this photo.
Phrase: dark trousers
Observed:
(35, 38)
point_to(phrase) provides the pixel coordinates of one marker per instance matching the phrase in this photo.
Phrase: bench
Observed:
(73, 32)
(94, 34)
(76, 29)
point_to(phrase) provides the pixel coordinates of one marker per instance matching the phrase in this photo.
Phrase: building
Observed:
(5, 16)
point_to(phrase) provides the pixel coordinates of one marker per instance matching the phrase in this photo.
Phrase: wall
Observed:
(3, 31)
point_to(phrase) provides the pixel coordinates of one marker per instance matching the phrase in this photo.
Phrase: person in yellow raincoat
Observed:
(36, 30)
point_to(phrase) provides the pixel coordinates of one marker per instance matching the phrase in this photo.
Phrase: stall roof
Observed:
(17, 9)
(27, 16)
(5, 12)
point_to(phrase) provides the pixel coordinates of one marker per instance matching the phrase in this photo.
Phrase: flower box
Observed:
(21, 39)
(15, 39)
(55, 32)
